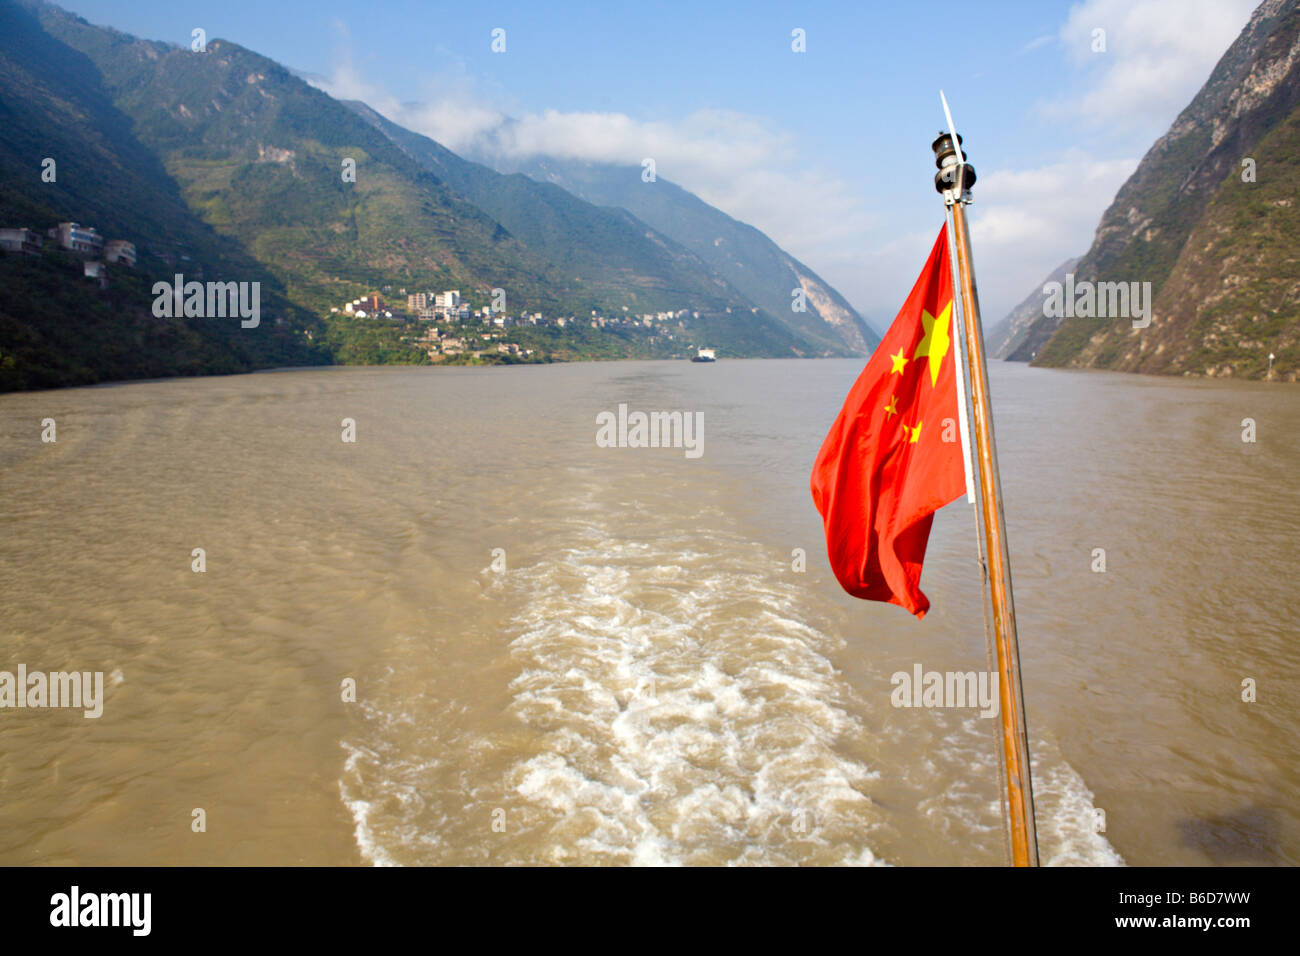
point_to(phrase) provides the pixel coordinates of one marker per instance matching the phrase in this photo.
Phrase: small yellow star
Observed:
(916, 432)
(899, 362)
(892, 408)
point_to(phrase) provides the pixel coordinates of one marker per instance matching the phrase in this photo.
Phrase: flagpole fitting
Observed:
(953, 170)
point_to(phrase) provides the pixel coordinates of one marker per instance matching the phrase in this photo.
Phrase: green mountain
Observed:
(58, 328)
(618, 256)
(1208, 218)
(222, 165)
(260, 154)
(744, 256)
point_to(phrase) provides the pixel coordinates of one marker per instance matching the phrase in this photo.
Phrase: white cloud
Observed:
(737, 162)
(1029, 221)
(1158, 53)
(1025, 223)
(454, 106)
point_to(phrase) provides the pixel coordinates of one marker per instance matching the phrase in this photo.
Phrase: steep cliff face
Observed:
(828, 304)
(1233, 295)
(1206, 220)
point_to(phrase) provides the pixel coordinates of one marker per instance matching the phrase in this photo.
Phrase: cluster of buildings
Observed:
(647, 319)
(438, 344)
(368, 307)
(456, 328)
(422, 306)
(445, 306)
(434, 307)
(449, 307)
(73, 237)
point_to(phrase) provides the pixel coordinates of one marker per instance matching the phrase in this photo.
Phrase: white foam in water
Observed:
(670, 704)
(687, 714)
(1067, 820)
(1069, 833)
(371, 849)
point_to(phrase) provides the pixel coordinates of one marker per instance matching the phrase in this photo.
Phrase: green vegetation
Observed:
(371, 342)
(620, 261)
(58, 328)
(258, 153)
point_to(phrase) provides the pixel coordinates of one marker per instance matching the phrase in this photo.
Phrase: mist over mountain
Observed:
(1003, 339)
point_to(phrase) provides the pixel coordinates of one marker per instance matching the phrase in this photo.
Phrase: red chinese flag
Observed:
(893, 456)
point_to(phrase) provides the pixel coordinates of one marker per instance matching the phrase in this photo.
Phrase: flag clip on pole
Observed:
(959, 346)
(959, 322)
(954, 181)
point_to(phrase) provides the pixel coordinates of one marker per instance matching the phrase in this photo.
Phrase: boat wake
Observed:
(684, 711)
(665, 694)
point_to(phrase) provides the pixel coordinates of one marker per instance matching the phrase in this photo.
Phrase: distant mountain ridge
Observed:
(1209, 219)
(746, 257)
(665, 221)
(1006, 336)
(608, 248)
(258, 154)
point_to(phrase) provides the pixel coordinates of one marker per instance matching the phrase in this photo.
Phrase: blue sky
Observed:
(827, 151)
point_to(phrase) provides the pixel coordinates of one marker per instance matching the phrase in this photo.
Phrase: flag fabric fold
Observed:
(893, 456)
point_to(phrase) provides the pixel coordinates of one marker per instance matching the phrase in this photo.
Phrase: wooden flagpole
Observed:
(954, 181)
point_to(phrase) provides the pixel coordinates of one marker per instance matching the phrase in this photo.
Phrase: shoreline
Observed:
(111, 383)
(115, 383)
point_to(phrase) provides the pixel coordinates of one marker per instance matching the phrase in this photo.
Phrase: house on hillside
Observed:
(22, 240)
(94, 269)
(80, 239)
(119, 250)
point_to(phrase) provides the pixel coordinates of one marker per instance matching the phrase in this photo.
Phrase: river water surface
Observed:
(565, 653)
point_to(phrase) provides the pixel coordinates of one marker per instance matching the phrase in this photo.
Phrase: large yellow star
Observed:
(916, 432)
(899, 362)
(892, 408)
(935, 343)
